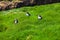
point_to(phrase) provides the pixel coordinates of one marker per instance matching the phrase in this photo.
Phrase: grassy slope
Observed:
(30, 27)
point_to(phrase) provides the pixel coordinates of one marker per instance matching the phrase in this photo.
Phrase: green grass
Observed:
(30, 28)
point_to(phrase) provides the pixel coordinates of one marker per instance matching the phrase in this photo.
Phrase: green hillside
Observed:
(30, 28)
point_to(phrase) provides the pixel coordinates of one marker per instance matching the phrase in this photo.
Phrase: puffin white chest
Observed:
(39, 17)
(16, 21)
(27, 14)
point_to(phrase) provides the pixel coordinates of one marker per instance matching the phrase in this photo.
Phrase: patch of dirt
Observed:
(10, 5)
(5, 5)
